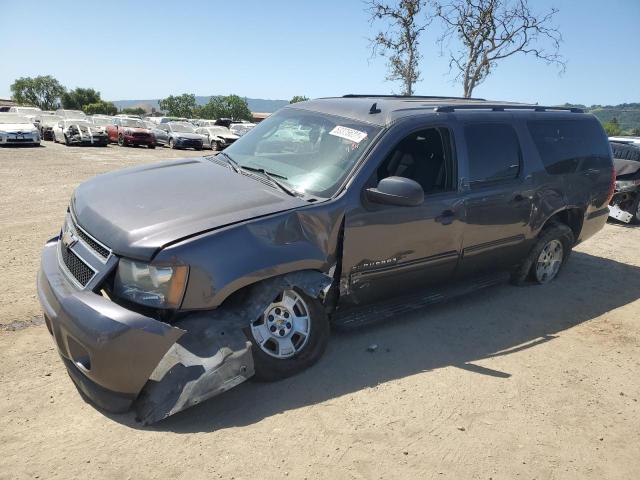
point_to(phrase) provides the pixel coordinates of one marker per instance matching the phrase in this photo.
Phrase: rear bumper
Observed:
(109, 351)
(593, 222)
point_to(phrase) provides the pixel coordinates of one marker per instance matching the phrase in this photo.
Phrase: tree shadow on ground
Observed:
(496, 321)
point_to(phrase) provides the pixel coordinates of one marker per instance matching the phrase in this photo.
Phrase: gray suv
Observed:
(173, 282)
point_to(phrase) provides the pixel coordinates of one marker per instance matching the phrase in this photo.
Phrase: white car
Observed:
(71, 113)
(79, 132)
(241, 128)
(18, 130)
(217, 137)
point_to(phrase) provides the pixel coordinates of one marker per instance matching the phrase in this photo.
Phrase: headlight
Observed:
(157, 286)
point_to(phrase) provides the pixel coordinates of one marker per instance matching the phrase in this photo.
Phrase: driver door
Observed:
(392, 250)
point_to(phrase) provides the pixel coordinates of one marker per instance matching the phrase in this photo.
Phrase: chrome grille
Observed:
(95, 246)
(82, 272)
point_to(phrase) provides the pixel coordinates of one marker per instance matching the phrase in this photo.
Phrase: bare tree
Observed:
(492, 30)
(399, 42)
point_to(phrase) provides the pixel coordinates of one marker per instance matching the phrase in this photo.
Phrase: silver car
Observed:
(18, 130)
(217, 137)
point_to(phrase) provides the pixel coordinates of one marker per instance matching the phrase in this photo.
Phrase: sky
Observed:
(278, 49)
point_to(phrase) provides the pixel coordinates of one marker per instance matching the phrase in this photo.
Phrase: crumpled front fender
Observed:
(214, 354)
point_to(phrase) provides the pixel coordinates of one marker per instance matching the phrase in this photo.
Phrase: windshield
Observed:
(312, 152)
(80, 123)
(219, 131)
(28, 110)
(102, 121)
(132, 123)
(13, 118)
(182, 128)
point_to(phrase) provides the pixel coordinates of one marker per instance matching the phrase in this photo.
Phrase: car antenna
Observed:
(374, 108)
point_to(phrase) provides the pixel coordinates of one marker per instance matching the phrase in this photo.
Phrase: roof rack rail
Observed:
(417, 97)
(503, 107)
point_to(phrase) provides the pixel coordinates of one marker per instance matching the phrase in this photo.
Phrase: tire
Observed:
(151, 146)
(172, 144)
(553, 232)
(199, 148)
(268, 368)
(121, 141)
(66, 141)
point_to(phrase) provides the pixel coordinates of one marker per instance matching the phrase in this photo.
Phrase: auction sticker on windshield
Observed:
(348, 133)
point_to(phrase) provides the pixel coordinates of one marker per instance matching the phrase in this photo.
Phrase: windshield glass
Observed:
(102, 121)
(314, 152)
(219, 131)
(13, 118)
(80, 123)
(182, 128)
(28, 110)
(132, 123)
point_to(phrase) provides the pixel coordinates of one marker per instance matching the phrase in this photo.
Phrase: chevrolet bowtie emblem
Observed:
(69, 239)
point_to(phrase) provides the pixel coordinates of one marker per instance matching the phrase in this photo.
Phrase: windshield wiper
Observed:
(231, 162)
(274, 179)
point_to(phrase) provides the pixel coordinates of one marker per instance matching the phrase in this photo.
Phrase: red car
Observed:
(130, 131)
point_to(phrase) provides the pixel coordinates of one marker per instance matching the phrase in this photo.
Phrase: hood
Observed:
(18, 127)
(139, 210)
(191, 136)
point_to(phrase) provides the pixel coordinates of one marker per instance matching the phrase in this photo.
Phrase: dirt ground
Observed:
(533, 383)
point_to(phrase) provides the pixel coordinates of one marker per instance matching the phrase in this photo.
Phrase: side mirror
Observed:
(397, 191)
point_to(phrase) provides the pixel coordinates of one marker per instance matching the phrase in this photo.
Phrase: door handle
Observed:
(446, 217)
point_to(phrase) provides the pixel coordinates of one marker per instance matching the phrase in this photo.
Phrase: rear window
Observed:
(567, 146)
(494, 152)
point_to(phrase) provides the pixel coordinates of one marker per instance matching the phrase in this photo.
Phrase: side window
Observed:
(494, 152)
(424, 156)
(566, 146)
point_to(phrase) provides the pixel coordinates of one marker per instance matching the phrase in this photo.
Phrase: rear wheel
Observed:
(121, 141)
(151, 146)
(547, 257)
(290, 335)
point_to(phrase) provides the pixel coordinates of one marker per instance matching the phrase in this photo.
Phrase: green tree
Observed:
(76, 99)
(231, 106)
(42, 91)
(298, 98)
(102, 107)
(134, 111)
(612, 127)
(179, 106)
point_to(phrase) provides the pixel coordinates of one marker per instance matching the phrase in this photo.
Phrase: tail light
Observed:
(612, 185)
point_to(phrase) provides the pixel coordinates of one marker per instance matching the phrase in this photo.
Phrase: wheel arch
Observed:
(573, 217)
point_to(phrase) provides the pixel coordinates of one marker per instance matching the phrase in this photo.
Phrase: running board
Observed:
(359, 316)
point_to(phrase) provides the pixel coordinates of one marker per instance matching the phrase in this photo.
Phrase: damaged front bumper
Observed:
(119, 358)
(111, 353)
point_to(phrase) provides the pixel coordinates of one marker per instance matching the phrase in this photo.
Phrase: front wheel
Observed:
(121, 141)
(290, 335)
(171, 143)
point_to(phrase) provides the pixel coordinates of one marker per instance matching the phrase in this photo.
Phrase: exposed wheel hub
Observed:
(283, 329)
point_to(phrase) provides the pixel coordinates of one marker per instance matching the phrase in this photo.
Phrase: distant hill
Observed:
(628, 114)
(255, 104)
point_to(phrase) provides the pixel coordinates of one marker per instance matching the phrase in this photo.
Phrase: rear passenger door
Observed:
(498, 198)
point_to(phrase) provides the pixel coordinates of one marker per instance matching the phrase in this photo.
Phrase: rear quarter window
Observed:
(568, 146)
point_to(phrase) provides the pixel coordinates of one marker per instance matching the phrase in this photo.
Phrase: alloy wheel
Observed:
(284, 327)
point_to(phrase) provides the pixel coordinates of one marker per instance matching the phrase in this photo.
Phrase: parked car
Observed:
(79, 132)
(625, 204)
(217, 138)
(161, 136)
(46, 125)
(172, 282)
(160, 120)
(241, 128)
(102, 120)
(73, 114)
(130, 131)
(32, 113)
(16, 129)
(182, 135)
